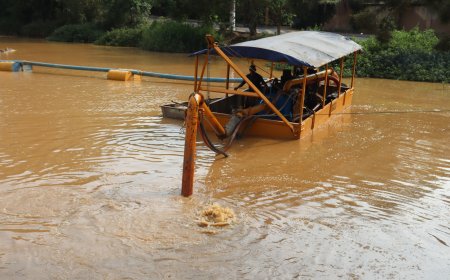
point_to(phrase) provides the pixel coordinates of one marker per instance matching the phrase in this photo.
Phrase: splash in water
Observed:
(216, 216)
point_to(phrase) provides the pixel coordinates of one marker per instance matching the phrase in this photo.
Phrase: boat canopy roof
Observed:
(302, 48)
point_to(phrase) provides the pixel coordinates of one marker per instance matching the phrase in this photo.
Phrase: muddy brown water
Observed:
(90, 179)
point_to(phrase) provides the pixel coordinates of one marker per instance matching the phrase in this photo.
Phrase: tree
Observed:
(251, 12)
(310, 13)
(207, 11)
(280, 13)
(119, 13)
(80, 11)
(233, 15)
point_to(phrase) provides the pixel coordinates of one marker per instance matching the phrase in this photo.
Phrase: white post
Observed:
(233, 15)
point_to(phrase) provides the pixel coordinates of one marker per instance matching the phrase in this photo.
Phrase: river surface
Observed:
(90, 179)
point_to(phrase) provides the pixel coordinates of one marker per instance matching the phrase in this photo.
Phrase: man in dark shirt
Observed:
(255, 78)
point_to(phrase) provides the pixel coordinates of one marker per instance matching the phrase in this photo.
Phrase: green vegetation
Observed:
(124, 37)
(20, 17)
(38, 29)
(81, 33)
(444, 44)
(409, 55)
(164, 36)
(173, 36)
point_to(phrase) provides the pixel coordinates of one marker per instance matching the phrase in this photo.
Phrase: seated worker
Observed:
(255, 78)
(286, 76)
(297, 71)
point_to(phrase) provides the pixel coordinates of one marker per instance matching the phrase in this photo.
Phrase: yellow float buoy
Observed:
(119, 75)
(11, 66)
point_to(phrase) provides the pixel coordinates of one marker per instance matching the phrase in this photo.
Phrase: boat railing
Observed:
(229, 91)
(312, 77)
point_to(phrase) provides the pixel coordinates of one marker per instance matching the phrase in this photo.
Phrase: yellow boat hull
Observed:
(278, 130)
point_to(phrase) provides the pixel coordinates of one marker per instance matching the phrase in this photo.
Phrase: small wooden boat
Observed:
(287, 108)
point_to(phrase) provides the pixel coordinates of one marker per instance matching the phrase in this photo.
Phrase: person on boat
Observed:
(286, 76)
(297, 72)
(255, 78)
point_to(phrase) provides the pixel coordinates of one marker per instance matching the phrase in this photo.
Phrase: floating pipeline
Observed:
(23, 65)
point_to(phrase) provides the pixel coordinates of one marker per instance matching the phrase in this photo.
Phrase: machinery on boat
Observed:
(287, 108)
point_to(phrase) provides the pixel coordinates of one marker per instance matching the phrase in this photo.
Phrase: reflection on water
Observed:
(90, 179)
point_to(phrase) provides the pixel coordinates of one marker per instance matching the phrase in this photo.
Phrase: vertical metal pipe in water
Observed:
(191, 121)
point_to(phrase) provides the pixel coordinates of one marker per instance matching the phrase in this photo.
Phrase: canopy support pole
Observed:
(203, 72)
(303, 94)
(353, 73)
(340, 75)
(325, 86)
(196, 73)
(354, 69)
(271, 70)
(228, 79)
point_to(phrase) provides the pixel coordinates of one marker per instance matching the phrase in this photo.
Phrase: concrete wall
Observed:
(424, 18)
(419, 16)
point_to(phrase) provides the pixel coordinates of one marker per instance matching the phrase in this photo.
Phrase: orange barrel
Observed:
(11, 66)
(119, 75)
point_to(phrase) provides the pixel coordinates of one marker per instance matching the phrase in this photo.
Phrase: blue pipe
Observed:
(64, 66)
(136, 72)
(183, 78)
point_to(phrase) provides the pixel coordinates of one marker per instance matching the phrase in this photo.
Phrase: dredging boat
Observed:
(308, 93)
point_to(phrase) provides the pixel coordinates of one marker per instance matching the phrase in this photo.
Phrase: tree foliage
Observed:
(280, 13)
(208, 11)
(17, 14)
(171, 36)
(408, 55)
(311, 13)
